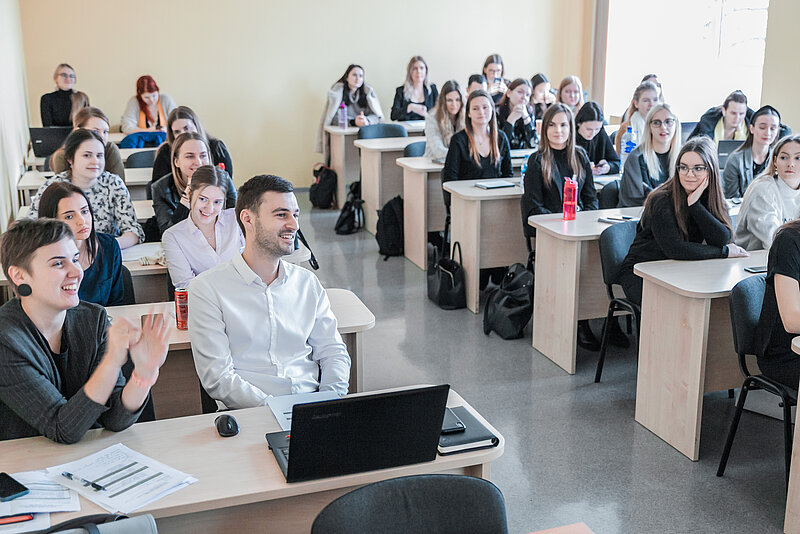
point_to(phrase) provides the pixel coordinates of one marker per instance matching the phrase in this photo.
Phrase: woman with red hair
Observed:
(148, 110)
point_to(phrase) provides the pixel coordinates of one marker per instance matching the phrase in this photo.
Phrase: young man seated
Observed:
(259, 326)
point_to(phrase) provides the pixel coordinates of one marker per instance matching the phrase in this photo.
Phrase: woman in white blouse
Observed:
(209, 236)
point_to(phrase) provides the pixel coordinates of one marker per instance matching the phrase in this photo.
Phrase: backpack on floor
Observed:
(389, 233)
(351, 218)
(509, 307)
(322, 192)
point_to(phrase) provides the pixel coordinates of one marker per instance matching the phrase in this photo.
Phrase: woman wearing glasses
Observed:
(651, 163)
(686, 218)
(772, 199)
(56, 107)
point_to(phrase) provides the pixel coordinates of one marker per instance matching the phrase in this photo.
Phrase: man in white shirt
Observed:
(259, 326)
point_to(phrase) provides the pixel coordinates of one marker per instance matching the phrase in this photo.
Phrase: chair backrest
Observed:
(608, 197)
(140, 160)
(127, 285)
(374, 131)
(613, 136)
(414, 150)
(615, 241)
(686, 130)
(745, 301)
(422, 503)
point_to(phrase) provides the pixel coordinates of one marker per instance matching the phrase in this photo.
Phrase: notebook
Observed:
(494, 184)
(360, 433)
(476, 436)
(47, 140)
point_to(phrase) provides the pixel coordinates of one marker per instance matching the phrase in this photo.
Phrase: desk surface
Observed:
(701, 279)
(410, 126)
(466, 189)
(585, 226)
(191, 444)
(33, 180)
(143, 209)
(139, 176)
(421, 163)
(386, 144)
(125, 152)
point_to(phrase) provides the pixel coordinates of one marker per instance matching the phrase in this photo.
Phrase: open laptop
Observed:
(725, 149)
(364, 433)
(47, 140)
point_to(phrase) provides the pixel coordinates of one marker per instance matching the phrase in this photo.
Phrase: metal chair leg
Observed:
(732, 432)
(787, 436)
(604, 341)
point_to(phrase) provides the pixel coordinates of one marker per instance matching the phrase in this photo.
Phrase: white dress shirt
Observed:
(188, 252)
(251, 340)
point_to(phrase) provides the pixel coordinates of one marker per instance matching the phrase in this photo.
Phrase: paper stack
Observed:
(45, 496)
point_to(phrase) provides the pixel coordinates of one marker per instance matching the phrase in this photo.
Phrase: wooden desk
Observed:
(569, 280)
(381, 179)
(423, 206)
(116, 137)
(686, 345)
(136, 180)
(38, 163)
(144, 210)
(791, 524)
(240, 486)
(575, 528)
(487, 225)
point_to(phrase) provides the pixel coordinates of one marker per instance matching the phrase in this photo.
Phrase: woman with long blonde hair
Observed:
(570, 92)
(417, 95)
(444, 120)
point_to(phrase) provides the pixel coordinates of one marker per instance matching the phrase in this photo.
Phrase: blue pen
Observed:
(95, 485)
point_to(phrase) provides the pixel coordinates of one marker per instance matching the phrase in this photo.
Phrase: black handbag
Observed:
(446, 280)
(509, 307)
(351, 218)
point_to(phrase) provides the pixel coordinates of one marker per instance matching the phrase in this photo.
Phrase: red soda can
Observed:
(182, 308)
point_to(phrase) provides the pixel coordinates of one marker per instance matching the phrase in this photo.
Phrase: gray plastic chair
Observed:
(375, 131)
(141, 160)
(440, 504)
(414, 150)
(608, 197)
(745, 303)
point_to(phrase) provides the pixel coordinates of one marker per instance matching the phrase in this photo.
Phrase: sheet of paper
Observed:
(282, 406)
(129, 480)
(45, 496)
(39, 522)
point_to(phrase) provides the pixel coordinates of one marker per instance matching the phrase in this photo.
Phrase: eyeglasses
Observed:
(696, 170)
(65, 75)
(669, 123)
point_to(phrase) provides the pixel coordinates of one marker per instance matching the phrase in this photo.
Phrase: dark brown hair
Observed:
(208, 175)
(494, 148)
(361, 92)
(249, 195)
(48, 208)
(87, 113)
(177, 176)
(548, 159)
(75, 139)
(24, 237)
(736, 96)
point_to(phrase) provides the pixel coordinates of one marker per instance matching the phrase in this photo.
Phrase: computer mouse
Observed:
(226, 425)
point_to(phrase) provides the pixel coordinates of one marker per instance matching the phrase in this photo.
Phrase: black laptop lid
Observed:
(357, 434)
(725, 149)
(47, 140)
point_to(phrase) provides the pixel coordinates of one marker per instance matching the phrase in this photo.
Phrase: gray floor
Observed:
(573, 450)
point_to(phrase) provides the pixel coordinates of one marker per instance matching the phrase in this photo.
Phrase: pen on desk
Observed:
(95, 485)
(9, 520)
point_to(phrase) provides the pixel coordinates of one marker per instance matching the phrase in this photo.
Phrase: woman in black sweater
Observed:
(417, 95)
(480, 150)
(515, 115)
(685, 218)
(592, 137)
(56, 107)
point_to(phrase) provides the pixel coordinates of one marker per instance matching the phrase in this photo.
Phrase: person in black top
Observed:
(480, 150)
(181, 120)
(685, 218)
(542, 95)
(515, 115)
(592, 137)
(417, 95)
(780, 311)
(56, 107)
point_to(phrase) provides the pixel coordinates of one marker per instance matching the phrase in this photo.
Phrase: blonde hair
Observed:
(569, 80)
(408, 86)
(548, 160)
(648, 150)
(447, 125)
(80, 100)
(494, 148)
(637, 94)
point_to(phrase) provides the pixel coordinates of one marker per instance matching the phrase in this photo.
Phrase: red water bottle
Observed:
(570, 198)
(221, 165)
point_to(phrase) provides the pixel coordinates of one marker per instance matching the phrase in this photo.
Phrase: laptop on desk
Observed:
(725, 149)
(363, 433)
(47, 140)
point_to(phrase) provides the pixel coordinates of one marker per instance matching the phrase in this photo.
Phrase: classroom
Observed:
(598, 425)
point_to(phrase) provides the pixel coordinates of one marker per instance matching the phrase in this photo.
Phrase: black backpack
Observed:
(351, 218)
(389, 233)
(510, 306)
(323, 191)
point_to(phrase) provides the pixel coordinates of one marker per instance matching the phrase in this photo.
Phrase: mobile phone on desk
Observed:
(11, 489)
(452, 423)
(757, 269)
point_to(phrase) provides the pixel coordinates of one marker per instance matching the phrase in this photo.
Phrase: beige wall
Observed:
(256, 72)
(781, 75)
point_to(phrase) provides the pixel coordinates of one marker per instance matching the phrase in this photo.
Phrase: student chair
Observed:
(127, 287)
(141, 160)
(608, 197)
(745, 302)
(421, 503)
(207, 404)
(613, 136)
(375, 131)
(615, 241)
(686, 130)
(414, 150)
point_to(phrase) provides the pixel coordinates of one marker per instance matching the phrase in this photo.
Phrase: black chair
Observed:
(129, 295)
(745, 302)
(208, 404)
(608, 197)
(421, 503)
(615, 241)
(375, 131)
(613, 136)
(141, 160)
(686, 130)
(414, 150)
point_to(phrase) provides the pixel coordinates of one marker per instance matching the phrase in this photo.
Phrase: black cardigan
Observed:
(219, 154)
(600, 148)
(56, 108)
(167, 202)
(520, 135)
(400, 105)
(459, 165)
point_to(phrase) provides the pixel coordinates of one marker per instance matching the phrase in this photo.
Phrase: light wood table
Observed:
(38, 163)
(178, 392)
(381, 178)
(576, 528)
(686, 345)
(569, 280)
(487, 224)
(240, 487)
(136, 181)
(116, 137)
(791, 523)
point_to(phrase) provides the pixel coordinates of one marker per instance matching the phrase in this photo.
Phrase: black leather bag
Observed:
(446, 280)
(351, 218)
(509, 307)
(323, 191)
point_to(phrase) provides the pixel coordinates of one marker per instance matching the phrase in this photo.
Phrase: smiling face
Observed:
(418, 72)
(74, 210)
(452, 102)
(696, 171)
(765, 129)
(571, 95)
(150, 99)
(192, 155)
(355, 79)
(519, 95)
(787, 161)
(180, 126)
(480, 112)
(662, 126)
(206, 204)
(88, 162)
(589, 129)
(275, 223)
(54, 274)
(734, 114)
(64, 78)
(558, 131)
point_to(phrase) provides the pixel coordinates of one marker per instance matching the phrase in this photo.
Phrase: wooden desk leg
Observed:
(371, 188)
(791, 524)
(415, 217)
(555, 304)
(338, 163)
(672, 360)
(355, 347)
(466, 229)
